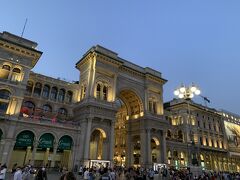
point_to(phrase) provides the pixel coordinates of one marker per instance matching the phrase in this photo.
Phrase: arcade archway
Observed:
(130, 107)
(98, 144)
(22, 152)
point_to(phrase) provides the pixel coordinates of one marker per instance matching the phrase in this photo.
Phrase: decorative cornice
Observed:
(22, 51)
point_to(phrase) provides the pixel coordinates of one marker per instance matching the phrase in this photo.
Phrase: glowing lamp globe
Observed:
(197, 92)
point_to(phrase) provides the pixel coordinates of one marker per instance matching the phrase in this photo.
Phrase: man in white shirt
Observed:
(3, 170)
(18, 174)
(86, 173)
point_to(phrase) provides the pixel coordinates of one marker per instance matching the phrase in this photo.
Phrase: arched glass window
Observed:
(4, 94)
(69, 96)
(37, 89)
(62, 111)
(53, 95)
(98, 93)
(105, 91)
(16, 74)
(4, 100)
(46, 90)
(24, 139)
(47, 108)
(6, 67)
(65, 143)
(61, 95)
(46, 141)
(16, 70)
(29, 87)
(4, 72)
(29, 104)
(28, 108)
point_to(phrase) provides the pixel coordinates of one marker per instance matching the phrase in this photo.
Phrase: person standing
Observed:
(3, 170)
(86, 173)
(18, 174)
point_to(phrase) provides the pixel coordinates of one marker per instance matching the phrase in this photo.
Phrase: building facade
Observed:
(114, 115)
(197, 136)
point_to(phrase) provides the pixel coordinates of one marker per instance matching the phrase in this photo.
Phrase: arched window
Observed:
(105, 91)
(47, 108)
(101, 91)
(29, 87)
(4, 94)
(24, 139)
(46, 91)
(152, 105)
(53, 95)
(98, 91)
(62, 111)
(29, 105)
(46, 141)
(4, 100)
(4, 72)
(16, 70)
(6, 67)
(69, 96)
(28, 108)
(180, 135)
(61, 95)
(37, 89)
(65, 143)
(83, 91)
(16, 74)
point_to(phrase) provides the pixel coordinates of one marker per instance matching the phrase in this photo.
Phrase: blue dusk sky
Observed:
(187, 40)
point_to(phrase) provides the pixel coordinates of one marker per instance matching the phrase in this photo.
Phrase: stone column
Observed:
(7, 151)
(54, 155)
(27, 157)
(46, 155)
(163, 146)
(34, 152)
(2, 144)
(87, 142)
(148, 149)
(129, 150)
(112, 139)
(143, 148)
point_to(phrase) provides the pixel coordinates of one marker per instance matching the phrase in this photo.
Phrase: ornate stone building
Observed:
(197, 136)
(113, 115)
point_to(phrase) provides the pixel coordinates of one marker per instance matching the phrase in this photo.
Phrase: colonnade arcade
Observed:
(42, 151)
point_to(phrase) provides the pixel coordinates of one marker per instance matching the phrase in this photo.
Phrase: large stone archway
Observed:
(126, 101)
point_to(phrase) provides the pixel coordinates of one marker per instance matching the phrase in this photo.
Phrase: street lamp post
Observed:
(187, 93)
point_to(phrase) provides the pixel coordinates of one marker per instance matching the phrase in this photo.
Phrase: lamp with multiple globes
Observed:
(184, 92)
(187, 93)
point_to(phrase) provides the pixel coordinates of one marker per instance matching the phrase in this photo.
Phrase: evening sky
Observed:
(187, 40)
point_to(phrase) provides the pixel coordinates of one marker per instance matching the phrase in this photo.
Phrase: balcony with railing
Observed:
(38, 116)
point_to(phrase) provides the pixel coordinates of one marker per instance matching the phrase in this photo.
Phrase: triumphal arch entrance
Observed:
(120, 111)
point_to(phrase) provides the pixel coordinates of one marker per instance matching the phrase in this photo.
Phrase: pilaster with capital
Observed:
(143, 148)
(112, 138)
(54, 155)
(163, 147)
(87, 139)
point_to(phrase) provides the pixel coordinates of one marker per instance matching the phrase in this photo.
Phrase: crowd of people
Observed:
(116, 173)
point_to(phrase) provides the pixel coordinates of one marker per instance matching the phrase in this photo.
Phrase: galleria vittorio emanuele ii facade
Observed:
(114, 115)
